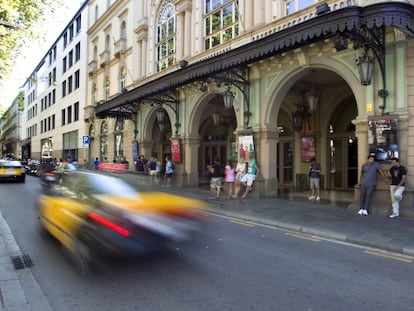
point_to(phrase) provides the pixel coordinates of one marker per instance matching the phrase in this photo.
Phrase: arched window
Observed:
(221, 22)
(119, 140)
(96, 13)
(122, 79)
(103, 146)
(108, 44)
(122, 30)
(166, 35)
(107, 84)
(95, 53)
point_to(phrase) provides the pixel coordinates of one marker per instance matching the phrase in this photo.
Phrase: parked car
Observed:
(93, 213)
(12, 170)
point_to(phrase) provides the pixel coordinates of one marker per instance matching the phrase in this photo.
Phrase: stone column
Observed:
(190, 147)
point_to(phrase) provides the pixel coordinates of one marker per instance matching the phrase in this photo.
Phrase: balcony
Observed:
(120, 47)
(104, 58)
(89, 113)
(92, 67)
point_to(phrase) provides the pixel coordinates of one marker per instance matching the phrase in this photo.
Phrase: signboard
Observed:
(307, 148)
(383, 137)
(246, 148)
(86, 141)
(175, 150)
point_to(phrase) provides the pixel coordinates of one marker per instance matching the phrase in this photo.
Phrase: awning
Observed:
(346, 20)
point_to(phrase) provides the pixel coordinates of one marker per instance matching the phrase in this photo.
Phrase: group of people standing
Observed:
(243, 175)
(396, 176)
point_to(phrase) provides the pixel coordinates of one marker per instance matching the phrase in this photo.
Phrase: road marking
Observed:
(398, 258)
(242, 223)
(305, 237)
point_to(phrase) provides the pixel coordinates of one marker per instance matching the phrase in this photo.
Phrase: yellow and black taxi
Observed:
(97, 214)
(12, 170)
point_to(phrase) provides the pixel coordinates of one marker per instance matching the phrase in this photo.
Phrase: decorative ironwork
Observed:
(170, 99)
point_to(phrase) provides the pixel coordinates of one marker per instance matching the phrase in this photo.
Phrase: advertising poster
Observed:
(246, 148)
(307, 148)
(175, 150)
(383, 137)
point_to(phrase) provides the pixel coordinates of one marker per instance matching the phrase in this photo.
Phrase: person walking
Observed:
(96, 163)
(169, 170)
(229, 178)
(368, 183)
(398, 176)
(216, 181)
(315, 178)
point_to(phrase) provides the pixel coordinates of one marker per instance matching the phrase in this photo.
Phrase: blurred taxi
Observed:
(92, 213)
(12, 170)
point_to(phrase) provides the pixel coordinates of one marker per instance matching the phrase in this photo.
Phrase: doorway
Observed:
(285, 156)
(343, 155)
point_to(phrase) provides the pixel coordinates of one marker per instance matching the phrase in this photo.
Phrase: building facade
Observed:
(194, 79)
(55, 96)
(11, 129)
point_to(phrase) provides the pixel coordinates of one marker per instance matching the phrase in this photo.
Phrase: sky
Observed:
(33, 52)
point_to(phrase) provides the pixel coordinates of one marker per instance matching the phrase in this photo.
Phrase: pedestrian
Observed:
(240, 171)
(398, 175)
(169, 170)
(96, 163)
(152, 165)
(367, 184)
(229, 178)
(315, 180)
(216, 181)
(250, 176)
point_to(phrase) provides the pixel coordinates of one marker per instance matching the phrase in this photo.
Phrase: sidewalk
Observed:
(326, 218)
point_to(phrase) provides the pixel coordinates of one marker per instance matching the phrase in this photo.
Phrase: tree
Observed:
(19, 20)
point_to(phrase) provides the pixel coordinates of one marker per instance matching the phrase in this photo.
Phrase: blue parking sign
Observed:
(85, 140)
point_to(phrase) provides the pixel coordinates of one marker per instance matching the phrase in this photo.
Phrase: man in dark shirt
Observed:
(398, 175)
(216, 181)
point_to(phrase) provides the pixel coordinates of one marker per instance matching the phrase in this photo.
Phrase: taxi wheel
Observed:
(80, 256)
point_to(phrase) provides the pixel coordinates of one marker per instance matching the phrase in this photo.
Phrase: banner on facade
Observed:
(383, 137)
(175, 150)
(307, 148)
(246, 148)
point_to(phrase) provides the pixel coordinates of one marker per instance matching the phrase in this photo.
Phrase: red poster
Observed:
(176, 150)
(307, 148)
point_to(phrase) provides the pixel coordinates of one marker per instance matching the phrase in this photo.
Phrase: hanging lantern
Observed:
(365, 65)
(160, 115)
(228, 98)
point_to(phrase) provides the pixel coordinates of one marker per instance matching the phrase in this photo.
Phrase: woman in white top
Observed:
(240, 172)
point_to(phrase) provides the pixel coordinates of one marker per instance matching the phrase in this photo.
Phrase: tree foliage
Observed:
(18, 24)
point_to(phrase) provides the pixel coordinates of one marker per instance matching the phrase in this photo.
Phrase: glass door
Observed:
(285, 163)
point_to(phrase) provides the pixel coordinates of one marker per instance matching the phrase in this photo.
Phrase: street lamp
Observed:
(228, 98)
(365, 64)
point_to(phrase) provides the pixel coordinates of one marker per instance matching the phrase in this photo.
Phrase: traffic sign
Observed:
(86, 140)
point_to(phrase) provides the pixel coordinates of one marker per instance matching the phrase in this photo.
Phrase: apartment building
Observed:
(55, 96)
(11, 129)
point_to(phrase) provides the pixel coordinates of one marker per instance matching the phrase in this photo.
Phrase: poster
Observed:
(383, 137)
(307, 148)
(175, 150)
(246, 148)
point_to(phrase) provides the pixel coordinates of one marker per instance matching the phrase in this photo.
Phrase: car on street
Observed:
(98, 214)
(12, 170)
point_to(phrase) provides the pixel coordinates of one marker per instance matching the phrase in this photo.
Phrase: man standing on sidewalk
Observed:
(398, 175)
(315, 179)
(368, 184)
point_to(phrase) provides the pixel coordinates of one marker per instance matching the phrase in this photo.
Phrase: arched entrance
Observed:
(285, 152)
(217, 138)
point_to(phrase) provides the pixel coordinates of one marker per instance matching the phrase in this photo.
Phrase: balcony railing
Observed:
(104, 58)
(92, 67)
(120, 47)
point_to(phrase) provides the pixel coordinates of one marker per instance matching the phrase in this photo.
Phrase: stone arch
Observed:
(284, 83)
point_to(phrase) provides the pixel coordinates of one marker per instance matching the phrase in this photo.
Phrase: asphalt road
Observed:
(232, 265)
